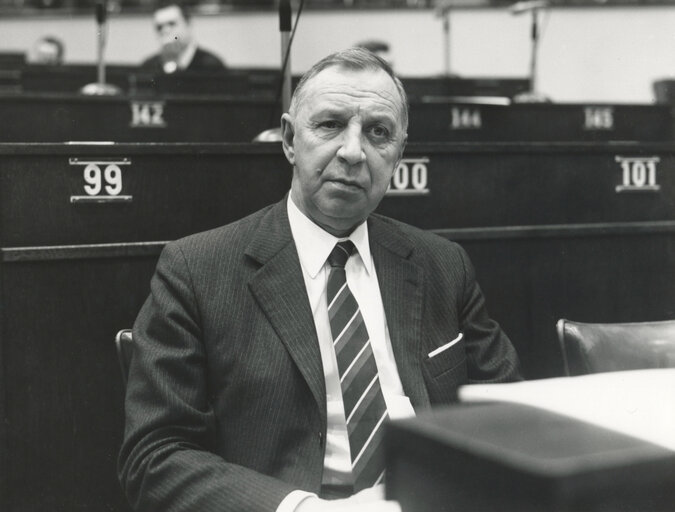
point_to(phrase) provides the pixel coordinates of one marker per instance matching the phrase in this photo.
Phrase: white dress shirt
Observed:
(314, 245)
(183, 60)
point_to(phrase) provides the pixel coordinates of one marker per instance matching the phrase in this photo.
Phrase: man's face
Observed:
(344, 142)
(173, 30)
(47, 53)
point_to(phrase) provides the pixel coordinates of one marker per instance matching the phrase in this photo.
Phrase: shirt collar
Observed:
(314, 244)
(185, 58)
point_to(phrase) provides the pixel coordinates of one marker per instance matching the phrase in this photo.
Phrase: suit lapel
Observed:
(279, 289)
(402, 295)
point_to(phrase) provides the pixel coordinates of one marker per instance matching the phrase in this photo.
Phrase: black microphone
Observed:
(285, 16)
(101, 11)
(285, 29)
(529, 5)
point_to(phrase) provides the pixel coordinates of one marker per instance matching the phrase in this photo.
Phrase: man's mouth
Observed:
(346, 183)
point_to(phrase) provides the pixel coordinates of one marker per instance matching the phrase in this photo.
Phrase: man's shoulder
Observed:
(153, 61)
(205, 59)
(442, 258)
(417, 239)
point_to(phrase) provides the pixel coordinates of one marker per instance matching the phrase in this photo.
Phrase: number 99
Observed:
(112, 175)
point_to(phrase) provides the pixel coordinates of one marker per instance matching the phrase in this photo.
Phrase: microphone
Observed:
(101, 12)
(285, 16)
(529, 5)
(285, 30)
(533, 6)
(100, 87)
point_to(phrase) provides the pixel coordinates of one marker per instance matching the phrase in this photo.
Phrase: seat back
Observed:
(594, 348)
(124, 344)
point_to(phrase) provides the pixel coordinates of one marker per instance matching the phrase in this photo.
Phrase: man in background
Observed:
(48, 50)
(179, 50)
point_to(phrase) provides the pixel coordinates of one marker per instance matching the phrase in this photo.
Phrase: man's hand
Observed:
(368, 500)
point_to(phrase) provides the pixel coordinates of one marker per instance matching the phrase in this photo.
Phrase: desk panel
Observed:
(130, 79)
(444, 120)
(172, 117)
(62, 118)
(514, 458)
(576, 231)
(247, 81)
(418, 88)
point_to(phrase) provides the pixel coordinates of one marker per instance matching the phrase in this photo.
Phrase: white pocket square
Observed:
(442, 348)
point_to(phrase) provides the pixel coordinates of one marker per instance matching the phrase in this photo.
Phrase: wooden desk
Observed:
(132, 80)
(444, 120)
(231, 81)
(418, 88)
(61, 118)
(664, 90)
(49, 117)
(509, 456)
(576, 231)
(637, 403)
(71, 77)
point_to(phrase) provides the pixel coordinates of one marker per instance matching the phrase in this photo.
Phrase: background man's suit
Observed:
(203, 60)
(226, 385)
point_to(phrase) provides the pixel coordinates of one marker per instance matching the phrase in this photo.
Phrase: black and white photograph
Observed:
(337, 256)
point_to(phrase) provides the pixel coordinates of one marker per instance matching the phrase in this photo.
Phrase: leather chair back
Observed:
(594, 347)
(123, 342)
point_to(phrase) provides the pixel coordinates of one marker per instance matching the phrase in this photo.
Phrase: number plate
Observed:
(411, 178)
(638, 174)
(102, 180)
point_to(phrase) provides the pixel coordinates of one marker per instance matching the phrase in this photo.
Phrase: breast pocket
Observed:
(446, 371)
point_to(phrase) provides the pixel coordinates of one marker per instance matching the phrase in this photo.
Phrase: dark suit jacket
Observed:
(226, 405)
(202, 60)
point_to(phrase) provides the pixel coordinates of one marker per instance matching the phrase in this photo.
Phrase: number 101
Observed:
(639, 174)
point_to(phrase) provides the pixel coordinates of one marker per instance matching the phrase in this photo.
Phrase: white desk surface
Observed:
(639, 403)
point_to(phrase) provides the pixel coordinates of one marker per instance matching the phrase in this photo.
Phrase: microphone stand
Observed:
(443, 12)
(534, 37)
(100, 88)
(274, 134)
(285, 30)
(532, 96)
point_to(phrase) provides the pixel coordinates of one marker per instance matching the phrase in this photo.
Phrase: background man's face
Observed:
(344, 140)
(47, 53)
(173, 30)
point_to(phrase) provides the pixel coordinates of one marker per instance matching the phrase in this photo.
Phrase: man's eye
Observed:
(329, 125)
(379, 132)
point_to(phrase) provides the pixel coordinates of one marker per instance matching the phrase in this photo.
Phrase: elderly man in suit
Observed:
(272, 351)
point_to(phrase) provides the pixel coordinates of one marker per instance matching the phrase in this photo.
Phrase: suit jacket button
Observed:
(320, 438)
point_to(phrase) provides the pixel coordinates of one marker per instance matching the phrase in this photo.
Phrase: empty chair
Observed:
(123, 343)
(593, 348)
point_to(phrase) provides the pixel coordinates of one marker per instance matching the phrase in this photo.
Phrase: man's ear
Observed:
(287, 135)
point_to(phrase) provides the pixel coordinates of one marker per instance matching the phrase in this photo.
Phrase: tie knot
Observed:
(340, 254)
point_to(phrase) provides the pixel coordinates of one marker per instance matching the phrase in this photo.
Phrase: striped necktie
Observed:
(365, 408)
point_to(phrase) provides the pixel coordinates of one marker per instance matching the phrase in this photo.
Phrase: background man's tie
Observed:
(365, 408)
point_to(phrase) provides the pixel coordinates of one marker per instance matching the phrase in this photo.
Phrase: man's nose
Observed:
(351, 151)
